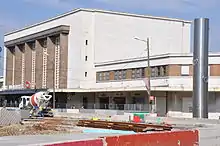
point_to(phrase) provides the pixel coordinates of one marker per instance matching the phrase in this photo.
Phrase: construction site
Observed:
(51, 99)
(95, 129)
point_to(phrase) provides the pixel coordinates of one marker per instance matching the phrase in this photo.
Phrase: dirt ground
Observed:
(45, 126)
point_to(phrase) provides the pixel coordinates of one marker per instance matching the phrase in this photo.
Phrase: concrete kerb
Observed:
(188, 121)
(61, 142)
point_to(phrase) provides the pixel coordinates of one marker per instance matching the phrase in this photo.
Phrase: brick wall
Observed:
(18, 65)
(63, 60)
(215, 70)
(27, 76)
(39, 64)
(174, 70)
(9, 66)
(50, 61)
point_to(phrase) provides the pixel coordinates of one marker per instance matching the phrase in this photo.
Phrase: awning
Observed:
(20, 91)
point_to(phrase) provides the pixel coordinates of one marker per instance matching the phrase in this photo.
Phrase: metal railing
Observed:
(130, 107)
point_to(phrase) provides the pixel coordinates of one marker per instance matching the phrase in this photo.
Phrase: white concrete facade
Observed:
(110, 38)
(106, 39)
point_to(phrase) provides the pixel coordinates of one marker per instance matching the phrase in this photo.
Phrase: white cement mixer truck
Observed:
(37, 104)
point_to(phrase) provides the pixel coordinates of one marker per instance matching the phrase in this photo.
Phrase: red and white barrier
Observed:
(174, 138)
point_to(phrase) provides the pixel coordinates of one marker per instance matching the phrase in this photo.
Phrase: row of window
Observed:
(135, 73)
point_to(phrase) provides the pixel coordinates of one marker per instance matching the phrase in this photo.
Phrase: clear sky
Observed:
(16, 14)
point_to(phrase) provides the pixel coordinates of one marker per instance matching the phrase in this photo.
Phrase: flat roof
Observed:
(153, 57)
(100, 11)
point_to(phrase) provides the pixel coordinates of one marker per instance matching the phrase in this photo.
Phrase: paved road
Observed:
(42, 139)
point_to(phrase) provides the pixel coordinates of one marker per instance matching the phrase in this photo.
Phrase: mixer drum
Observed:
(39, 97)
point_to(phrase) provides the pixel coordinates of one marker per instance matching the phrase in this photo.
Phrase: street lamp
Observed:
(54, 94)
(148, 65)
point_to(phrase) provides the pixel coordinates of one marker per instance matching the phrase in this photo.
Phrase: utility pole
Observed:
(148, 70)
(148, 67)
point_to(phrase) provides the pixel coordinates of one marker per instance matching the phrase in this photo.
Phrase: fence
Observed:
(8, 117)
(129, 107)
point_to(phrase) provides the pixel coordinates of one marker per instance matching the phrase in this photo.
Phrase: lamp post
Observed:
(148, 66)
(54, 94)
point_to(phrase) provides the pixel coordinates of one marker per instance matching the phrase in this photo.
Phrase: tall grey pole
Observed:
(200, 68)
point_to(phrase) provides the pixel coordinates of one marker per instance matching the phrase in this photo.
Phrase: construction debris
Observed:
(136, 127)
(40, 126)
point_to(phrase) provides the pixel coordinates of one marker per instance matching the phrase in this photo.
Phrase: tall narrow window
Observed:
(86, 74)
(124, 74)
(86, 58)
(44, 43)
(107, 76)
(86, 42)
(185, 70)
(116, 75)
(57, 40)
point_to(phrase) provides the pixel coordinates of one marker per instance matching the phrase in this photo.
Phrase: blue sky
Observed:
(16, 14)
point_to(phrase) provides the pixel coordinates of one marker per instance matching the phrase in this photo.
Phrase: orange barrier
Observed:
(175, 138)
(97, 142)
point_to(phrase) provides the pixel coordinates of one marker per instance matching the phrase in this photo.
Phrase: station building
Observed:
(92, 59)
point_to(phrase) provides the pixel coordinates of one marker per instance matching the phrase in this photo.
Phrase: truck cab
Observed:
(25, 100)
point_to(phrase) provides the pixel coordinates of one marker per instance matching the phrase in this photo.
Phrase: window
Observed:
(209, 70)
(133, 74)
(138, 73)
(119, 75)
(99, 76)
(156, 71)
(116, 75)
(143, 72)
(103, 76)
(86, 42)
(153, 72)
(107, 76)
(162, 71)
(57, 40)
(32, 45)
(44, 43)
(165, 70)
(86, 58)
(185, 70)
(159, 73)
(85, 74)
(123, 74)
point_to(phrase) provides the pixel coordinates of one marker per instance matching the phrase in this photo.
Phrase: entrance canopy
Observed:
(20, 91)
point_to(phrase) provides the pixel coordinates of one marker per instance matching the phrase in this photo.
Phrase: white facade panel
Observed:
(110, 39)
(169, 83)
(114, 37)
(185, 70)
